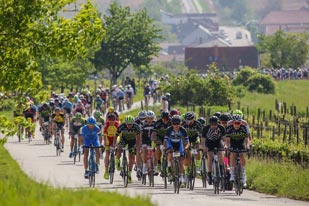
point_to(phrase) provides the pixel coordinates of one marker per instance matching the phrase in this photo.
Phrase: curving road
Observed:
(40, 162)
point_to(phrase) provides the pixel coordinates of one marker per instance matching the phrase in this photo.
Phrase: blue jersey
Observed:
(91, 136)
(67, 105)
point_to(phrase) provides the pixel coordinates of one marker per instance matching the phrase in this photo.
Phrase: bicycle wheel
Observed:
(192, 173)
(237, 184)
(222, 179)
(111, 168)
(125, 171)
(176, 177)
(150, 173)
(204, 172)
(164, 170)
(74, 151)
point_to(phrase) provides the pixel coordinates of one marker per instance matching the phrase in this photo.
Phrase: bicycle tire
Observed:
(164, 170)
(193, 173)
(111, 168)
(74, 151)
(150, 173)
(125, 171)
(176, 177)
(222, 179)
(237, 179)
(204, 172)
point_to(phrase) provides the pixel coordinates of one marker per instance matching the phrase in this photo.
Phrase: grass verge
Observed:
(16, 189)
(283, 179)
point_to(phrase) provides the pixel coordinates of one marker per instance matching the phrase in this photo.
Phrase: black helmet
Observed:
(225, 117)
(176, 119)
(213, 120)
(45, 105)
(142, 115)
(201, 120)
(237, 117)
(189, 116)
(165, 114)
(217, 114)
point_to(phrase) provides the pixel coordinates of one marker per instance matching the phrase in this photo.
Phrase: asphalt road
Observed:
(40, 162)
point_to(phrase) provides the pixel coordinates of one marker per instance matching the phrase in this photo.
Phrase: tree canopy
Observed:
(33, 30)
(285, 49)
(130, 40)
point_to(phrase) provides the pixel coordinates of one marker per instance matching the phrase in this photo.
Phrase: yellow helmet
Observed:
(111, 109)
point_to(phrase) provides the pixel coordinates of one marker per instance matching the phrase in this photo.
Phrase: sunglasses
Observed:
(223, 122)
(129, 124)
(213, 124)
(176, 123)
(236, 123)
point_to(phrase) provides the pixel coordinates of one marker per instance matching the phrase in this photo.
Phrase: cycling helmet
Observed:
(91, 120)
(111, 109)
(176, 119)
(142, 115)
(238, 112)
(57, 109)
(217, 114)
(237, 117)
(189, 116)
(51, 100)
(150, 114)
(97, 114)
(45, 105)
(111, 117)
(129, 119)
(163, 97)
(174, 112)
(167, 94)
(165, 114)
(225, 117)
(201, 120)
(78, 115)
(213, 120)
(57, 100)
(75, 98)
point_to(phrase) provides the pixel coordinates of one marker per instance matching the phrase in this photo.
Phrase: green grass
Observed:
(282, 179)
(8, 114)
(292, 92)
(16, 189)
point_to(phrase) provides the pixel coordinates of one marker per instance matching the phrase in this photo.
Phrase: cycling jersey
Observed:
(91, 136)
(59, 119)
(160, 129)
(242, 122)
(146, 132)
(110, 130)
(193, 131)
(30, 113)
(237, 136)
(45, 113)
(175, 140)
(100, 122)
(214, 136)
(128, 136)
(76, 124)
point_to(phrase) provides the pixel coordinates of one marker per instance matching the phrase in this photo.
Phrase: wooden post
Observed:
(261, 126)
(297, 135)
(273, 134)
(142, 106)
(264, 115)
(253, 120)
(307, 112)
(270, 115)
(279, 132)
(306, 136)
(290, 133)
(259, 115)
(284, 132)
(284, 107)
(295, 110)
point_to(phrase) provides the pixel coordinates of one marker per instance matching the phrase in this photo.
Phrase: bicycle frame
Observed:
(111, 166)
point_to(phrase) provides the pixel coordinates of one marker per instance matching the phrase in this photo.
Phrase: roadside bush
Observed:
(243, 76)
(261, 83)
(7, 105)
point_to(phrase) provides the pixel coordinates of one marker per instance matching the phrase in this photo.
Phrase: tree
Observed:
(285, 49)
(130, 40)
(31, 30)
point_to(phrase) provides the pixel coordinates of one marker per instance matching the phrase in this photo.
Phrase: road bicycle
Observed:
(175, 171)
(92, 165)
(218, 176)
(45, 132)
(124, 173)
(192, 170)
(111, 166)
(238, 183)
(164, 166)
(204, 170)
(57, 142)
(150, 171)
(76, 151)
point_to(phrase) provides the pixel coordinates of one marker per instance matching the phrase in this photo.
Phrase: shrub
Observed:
(243, 76)
(261, 83)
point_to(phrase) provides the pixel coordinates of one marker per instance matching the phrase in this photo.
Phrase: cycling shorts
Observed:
(176, 146)
(94, 141)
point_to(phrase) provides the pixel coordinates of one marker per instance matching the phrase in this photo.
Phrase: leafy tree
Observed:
(243, 75)
(130, 40)
(32, 29)
(285, 49)
(261, 83)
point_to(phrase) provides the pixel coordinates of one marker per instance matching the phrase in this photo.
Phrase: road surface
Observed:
(40, 162)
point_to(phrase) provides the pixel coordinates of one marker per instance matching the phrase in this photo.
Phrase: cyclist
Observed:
(58, 122)
(140, 118)
(100, 122)
(237, 138)
(44, 116)
(174, 112)
(146, 130)
(89, 101)
(67, 108)
(76, 123)
(147, 92)
(202, 121)
(79, 107)
(98, 103)
(110, 129)
(212, 137)
(90, 136)
(193, 128)
(129, 135)
(111, 110)
(30, 112)
(176, 139)
(158, 134)
(243, 122)
(217, 114)
(129, 94)
(139, 121)
(224, 119)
